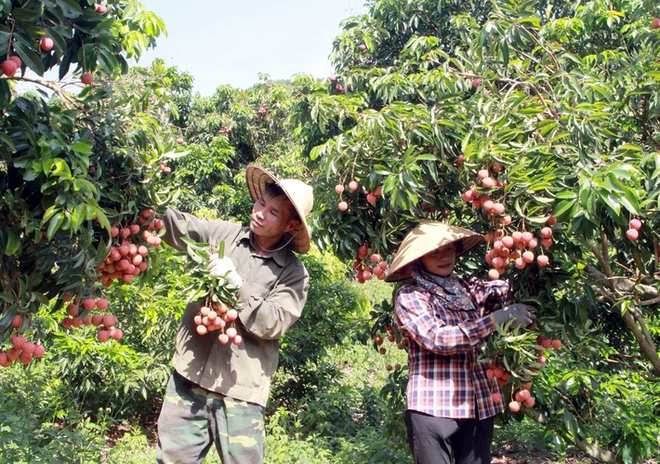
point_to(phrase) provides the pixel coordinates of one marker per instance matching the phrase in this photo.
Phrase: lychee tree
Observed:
(536, 124)
(81, 170)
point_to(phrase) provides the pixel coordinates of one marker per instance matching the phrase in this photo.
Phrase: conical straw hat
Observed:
(426, 237)
(300, 194)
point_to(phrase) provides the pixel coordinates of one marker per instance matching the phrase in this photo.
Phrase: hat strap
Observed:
(276, 249)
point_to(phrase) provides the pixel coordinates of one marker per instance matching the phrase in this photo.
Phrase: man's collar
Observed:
(280, 256)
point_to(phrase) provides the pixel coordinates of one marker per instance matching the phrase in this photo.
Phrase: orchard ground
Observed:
(519, 443)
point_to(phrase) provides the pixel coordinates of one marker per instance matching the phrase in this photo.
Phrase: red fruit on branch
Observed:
(543, 260)
(9, 68)
(103, 335)
(493, 274)
(46, 44)
(632, 234)
(635, 224)
(86, 78)
(17, 321)
(39, 351)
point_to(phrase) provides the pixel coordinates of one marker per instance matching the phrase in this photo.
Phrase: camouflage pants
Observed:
(192, 418)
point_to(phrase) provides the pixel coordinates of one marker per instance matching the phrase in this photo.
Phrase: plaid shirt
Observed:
(446, 321)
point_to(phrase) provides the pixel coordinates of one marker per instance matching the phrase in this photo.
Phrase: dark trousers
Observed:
(434, 440)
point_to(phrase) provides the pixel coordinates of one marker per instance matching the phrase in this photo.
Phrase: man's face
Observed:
(441, 261)
(271, 217)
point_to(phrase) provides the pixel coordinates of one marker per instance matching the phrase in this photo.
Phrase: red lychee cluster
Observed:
(375, 267)
(334, 85)
(390, 337)
(219, 317)
(21, 350)
(522, 395)
(517, 248)
(353, 186)
(127, 257)
(520, 247)
(80, 313)
(633, 232)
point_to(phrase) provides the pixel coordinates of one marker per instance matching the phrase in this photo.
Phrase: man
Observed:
(218, 392)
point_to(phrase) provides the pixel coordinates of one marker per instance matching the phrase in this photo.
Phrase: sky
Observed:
(231, 41)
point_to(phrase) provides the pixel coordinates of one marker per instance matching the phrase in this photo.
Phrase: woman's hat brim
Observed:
(426, 237)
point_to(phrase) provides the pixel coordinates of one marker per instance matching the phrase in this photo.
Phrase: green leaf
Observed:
(4, 138)
(71, 8)
(83, 146)
(60, 167)
(78, 216)
(611, 201)
(27, 15)
(84, 184)
(29, 57)
(630, 201)
(563, 208)
(54, 225)
(58, 40)
(13, 243)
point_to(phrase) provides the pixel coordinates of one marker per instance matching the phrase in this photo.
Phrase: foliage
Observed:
(28, 437)
(210, 289)
(555, 102)
(72, 166)
(226, 132)
(332, 310)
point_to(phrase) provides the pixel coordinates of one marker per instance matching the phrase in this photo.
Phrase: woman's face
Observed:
(441, 261)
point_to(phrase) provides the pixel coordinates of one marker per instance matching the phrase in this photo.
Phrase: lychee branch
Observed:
(52, 86)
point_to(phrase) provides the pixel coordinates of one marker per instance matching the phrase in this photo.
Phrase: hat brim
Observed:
(425, 238)
(257, 179)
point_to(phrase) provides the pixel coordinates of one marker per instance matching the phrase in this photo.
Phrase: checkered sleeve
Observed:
(429, 328)
(489, 295)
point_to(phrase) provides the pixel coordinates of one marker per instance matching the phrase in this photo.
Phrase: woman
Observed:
(450, 409)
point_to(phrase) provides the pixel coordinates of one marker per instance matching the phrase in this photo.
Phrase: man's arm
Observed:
(270, 317)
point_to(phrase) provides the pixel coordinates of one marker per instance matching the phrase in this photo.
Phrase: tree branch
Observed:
(67, 101)
(642, 336)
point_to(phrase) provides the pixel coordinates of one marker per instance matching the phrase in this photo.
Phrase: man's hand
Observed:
(522, 314)
(223, 267)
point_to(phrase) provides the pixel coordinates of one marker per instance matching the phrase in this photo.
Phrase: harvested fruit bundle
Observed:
(220, 303)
